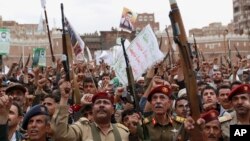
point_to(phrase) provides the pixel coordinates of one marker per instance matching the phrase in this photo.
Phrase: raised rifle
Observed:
(180, 38)
(50, 43)
(238, 53)
(27, 61)
(228, 62)
(65, 60)
(130, 77)
(202, 56)
(196, 54)
(221, 62)
(20, 63)
(171, 49)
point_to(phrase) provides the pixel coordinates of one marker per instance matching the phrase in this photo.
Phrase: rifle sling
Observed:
(145, 133)
(96, 134)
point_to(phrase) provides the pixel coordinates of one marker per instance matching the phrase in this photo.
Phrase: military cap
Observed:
(241, 89)
(102, 95)
(210, 116)
(34, 111)
(15, 86)
(164, 89)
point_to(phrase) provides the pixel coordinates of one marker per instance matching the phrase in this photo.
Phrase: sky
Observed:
(88, 16)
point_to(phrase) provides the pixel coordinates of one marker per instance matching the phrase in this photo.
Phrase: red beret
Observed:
(241, 89)
(210, 116)
(164, 89)
(102, 95)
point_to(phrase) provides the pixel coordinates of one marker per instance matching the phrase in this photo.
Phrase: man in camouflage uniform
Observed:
(99, 130)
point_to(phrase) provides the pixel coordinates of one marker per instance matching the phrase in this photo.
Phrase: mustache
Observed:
(211, 136)
(226, 100)
(158, 106)
(241, 106)
(16, 99)
(102, 110)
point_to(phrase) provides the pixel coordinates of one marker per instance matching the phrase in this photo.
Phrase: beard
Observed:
(12, 124)
(216, 81)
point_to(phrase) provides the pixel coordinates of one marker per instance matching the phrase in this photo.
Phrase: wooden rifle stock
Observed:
(189, 75)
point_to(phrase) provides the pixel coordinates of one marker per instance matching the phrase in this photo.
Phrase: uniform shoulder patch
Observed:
(119, 125)
(179, 119)
(225, 118)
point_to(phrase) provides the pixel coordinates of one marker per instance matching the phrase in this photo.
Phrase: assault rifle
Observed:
(238, 53)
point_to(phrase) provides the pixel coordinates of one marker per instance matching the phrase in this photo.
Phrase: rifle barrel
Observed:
(50, 43)
(196, 53)
(130, 77)
(65, 61)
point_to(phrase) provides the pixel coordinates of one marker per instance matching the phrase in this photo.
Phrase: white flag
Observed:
(143, 53)
(76, 41)
(43, 3)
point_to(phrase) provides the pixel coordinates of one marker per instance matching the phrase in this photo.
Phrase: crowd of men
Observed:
(40, 105)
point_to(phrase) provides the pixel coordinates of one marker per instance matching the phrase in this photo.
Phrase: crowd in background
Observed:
(160, 91)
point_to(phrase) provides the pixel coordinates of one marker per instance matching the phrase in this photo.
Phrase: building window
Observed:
(211, 46)
(140, 19)
(145, 19)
